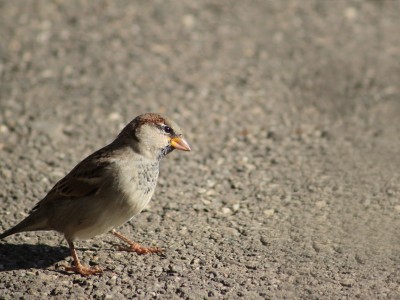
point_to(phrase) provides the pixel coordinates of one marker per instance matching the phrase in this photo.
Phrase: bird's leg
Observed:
(77, 267)
(134, 247)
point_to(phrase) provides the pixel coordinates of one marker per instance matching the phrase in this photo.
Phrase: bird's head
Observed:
(154, 136)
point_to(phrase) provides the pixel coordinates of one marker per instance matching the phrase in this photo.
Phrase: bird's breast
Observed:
(147, 176)
(138, 183)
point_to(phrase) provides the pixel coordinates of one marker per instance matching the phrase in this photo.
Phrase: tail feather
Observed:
(9, 232)
(30, 223)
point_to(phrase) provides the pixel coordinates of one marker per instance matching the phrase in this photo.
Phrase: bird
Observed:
(107, 188)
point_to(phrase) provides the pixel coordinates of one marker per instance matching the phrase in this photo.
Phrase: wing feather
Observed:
(86, 179)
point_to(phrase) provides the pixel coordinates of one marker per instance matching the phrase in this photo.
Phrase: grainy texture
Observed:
(292, 109)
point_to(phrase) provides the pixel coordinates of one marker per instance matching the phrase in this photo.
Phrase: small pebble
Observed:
(269, 212)
(226, 210)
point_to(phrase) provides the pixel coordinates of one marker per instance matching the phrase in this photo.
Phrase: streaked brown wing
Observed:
(84, 180)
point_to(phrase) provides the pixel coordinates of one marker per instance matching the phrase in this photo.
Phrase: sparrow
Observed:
(107, 188)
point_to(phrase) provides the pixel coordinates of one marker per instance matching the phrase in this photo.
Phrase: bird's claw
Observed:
(140, 249)
(82, 270)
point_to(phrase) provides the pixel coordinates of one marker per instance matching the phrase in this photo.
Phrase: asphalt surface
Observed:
(292, 110)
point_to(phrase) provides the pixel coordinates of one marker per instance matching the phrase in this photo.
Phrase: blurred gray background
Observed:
(292, 110)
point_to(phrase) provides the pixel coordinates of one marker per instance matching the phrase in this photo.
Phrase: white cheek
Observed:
(152, 141)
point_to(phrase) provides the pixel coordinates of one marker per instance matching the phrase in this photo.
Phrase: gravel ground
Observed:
(292, 109)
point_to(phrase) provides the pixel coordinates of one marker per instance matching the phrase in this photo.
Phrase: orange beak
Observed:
(180, 143)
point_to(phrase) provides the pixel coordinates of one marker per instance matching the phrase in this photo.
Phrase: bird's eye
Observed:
(168, 129)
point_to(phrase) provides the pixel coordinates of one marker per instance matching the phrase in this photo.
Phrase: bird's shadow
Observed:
(26, 256)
